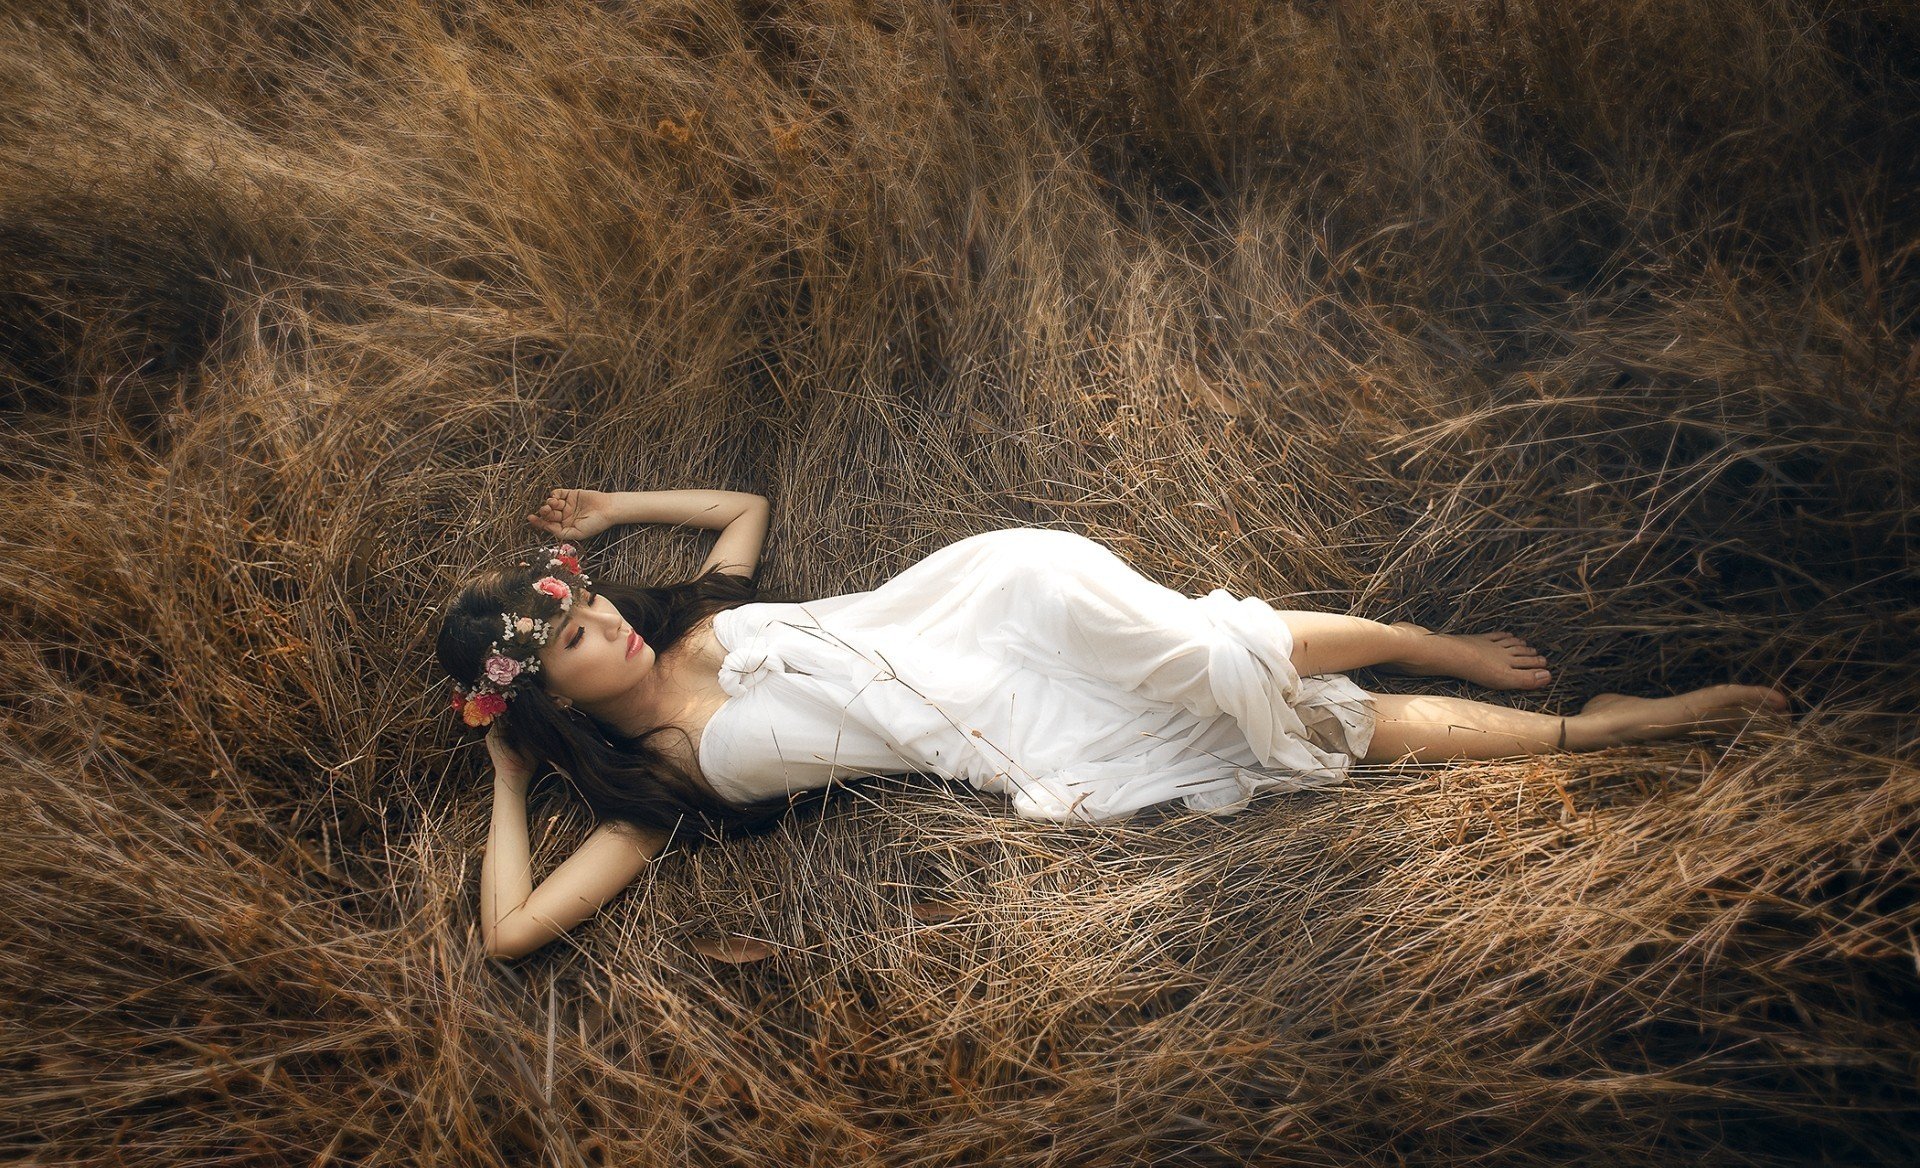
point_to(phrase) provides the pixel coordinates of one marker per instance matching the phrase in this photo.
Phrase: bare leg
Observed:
(1325, 642)
(1434, 729)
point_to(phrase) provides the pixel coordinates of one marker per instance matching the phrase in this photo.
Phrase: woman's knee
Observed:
(1327, 642)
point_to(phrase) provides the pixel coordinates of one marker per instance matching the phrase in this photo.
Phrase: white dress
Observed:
(1034, 663)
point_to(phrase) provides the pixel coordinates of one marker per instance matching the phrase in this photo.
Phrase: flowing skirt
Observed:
(1035, 663)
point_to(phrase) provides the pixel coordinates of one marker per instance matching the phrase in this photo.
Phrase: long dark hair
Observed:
(621, 778)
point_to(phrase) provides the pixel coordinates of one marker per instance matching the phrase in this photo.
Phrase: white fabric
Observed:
(1034, 663)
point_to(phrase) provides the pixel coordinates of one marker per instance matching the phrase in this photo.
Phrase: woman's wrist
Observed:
(511, 781)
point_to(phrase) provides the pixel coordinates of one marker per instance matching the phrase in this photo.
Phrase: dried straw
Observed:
(1589, 320)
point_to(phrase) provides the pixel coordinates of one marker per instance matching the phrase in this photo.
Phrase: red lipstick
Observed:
(633, 644)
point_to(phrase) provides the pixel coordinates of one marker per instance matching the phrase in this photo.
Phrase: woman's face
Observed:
(593, 655)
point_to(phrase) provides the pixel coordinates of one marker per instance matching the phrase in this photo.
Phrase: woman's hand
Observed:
(509, 768)
(574, 513)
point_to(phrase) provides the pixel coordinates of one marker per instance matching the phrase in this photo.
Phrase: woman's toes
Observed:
(1739, 706)
(1520, 655)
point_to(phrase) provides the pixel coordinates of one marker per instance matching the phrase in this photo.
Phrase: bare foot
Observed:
(1599, 702)
(1495, 660)
(1714, 709)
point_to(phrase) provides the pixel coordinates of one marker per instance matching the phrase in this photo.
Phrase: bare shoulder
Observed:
(695, 661)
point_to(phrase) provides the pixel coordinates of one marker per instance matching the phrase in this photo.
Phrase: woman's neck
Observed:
(652, 703)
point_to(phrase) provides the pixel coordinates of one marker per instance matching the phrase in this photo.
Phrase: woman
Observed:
(1027, 661)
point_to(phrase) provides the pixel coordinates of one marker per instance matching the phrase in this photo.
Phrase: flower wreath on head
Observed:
(515, 653)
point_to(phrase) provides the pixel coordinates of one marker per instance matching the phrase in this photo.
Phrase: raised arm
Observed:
(741, 518)
(515, 917)
(709, 509)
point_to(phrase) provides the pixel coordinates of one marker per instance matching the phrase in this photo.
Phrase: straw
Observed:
(1590, 321)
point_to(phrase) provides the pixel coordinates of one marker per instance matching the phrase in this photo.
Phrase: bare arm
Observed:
(741, 517)
(740, 544)
(709, 509)
(515, 917)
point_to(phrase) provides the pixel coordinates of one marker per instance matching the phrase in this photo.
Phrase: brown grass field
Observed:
(1594, 320)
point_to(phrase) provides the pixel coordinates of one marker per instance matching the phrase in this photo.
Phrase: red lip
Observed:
(633, 644)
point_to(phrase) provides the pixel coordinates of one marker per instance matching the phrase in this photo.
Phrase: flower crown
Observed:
(515, 654)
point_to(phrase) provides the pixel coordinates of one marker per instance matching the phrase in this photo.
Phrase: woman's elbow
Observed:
(509, 942)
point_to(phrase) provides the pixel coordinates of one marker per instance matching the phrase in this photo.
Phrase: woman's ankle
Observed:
(1413, 649)
(1594, 731)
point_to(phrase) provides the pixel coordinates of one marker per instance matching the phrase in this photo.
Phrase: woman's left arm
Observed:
(709, 509)
(579, 512)
(742, 517)
(740, 544)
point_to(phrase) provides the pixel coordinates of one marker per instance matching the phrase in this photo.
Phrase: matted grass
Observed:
(1590, 320)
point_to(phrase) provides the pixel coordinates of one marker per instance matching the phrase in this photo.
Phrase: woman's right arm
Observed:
(515, 917)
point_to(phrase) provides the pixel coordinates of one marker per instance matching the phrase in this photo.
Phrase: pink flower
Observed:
(523, 626)
(483, 708)
(501, 669)
(554, 588)
(568, 562)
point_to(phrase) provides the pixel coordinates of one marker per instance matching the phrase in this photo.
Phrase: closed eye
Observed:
(582, 630)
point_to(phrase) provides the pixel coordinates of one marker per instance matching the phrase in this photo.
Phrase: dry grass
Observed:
(1590, 319)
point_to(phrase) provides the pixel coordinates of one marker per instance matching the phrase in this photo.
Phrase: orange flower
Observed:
(483, 709)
